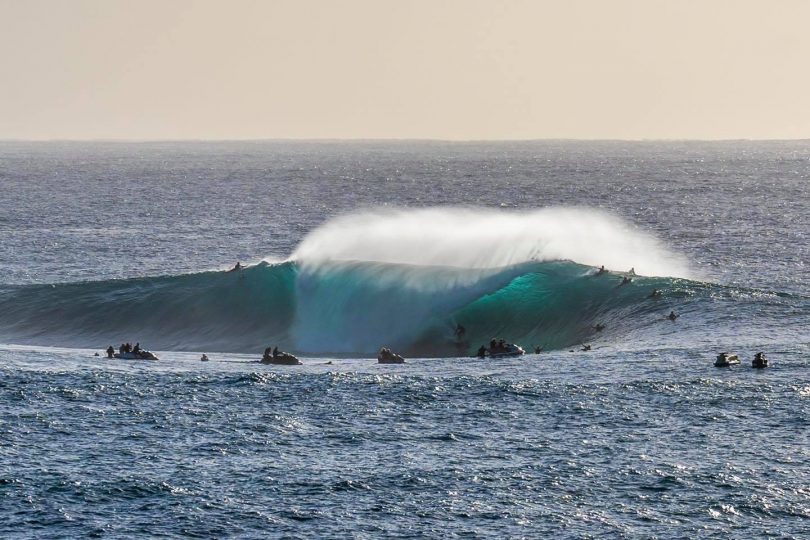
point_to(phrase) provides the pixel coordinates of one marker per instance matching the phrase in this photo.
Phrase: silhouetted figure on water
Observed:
(386, 356)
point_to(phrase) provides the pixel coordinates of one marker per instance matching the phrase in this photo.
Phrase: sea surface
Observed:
(353, 246)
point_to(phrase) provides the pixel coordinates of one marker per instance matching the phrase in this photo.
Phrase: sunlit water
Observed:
(640, 437)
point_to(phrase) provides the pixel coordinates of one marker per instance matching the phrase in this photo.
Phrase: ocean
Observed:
(619, 427)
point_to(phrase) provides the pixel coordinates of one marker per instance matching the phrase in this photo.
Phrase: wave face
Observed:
(338, 308)
(402, 280)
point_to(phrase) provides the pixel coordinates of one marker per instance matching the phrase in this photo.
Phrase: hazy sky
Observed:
(445, 69)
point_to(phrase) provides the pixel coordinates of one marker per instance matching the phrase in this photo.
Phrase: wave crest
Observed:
(485, 238)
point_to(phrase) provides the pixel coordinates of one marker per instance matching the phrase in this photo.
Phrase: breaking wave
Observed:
(403, 279)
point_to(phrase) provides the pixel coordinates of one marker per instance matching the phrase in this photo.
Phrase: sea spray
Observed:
(487, 238)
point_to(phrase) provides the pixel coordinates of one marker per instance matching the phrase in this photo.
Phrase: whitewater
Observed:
(350, 247)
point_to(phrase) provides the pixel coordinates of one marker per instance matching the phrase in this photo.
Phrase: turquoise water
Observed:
(640, 437)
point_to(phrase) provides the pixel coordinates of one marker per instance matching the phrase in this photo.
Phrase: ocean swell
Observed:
(404, 280)
(342, 308)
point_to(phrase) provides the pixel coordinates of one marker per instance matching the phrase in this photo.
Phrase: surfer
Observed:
(237, 266)
(632, 271)
(460, 331)
(599, 327)
(625, 281)
(110, 351)
(601, 270)
(672, 315)
(655, 293)
(586, 348)
(482, 352)
(204, 358)
(538, 349)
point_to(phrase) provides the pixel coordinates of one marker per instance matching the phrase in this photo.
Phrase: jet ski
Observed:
(387, 357)
(281, 359)
(759, 361)
(725, 359)
(509, 350)
(140, 355)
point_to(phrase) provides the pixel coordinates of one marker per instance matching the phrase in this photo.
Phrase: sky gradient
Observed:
(452, 69)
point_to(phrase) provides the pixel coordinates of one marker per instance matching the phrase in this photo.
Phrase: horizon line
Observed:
(391, 139)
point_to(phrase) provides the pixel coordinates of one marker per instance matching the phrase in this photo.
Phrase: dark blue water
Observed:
(641, 437)
(634, 445)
